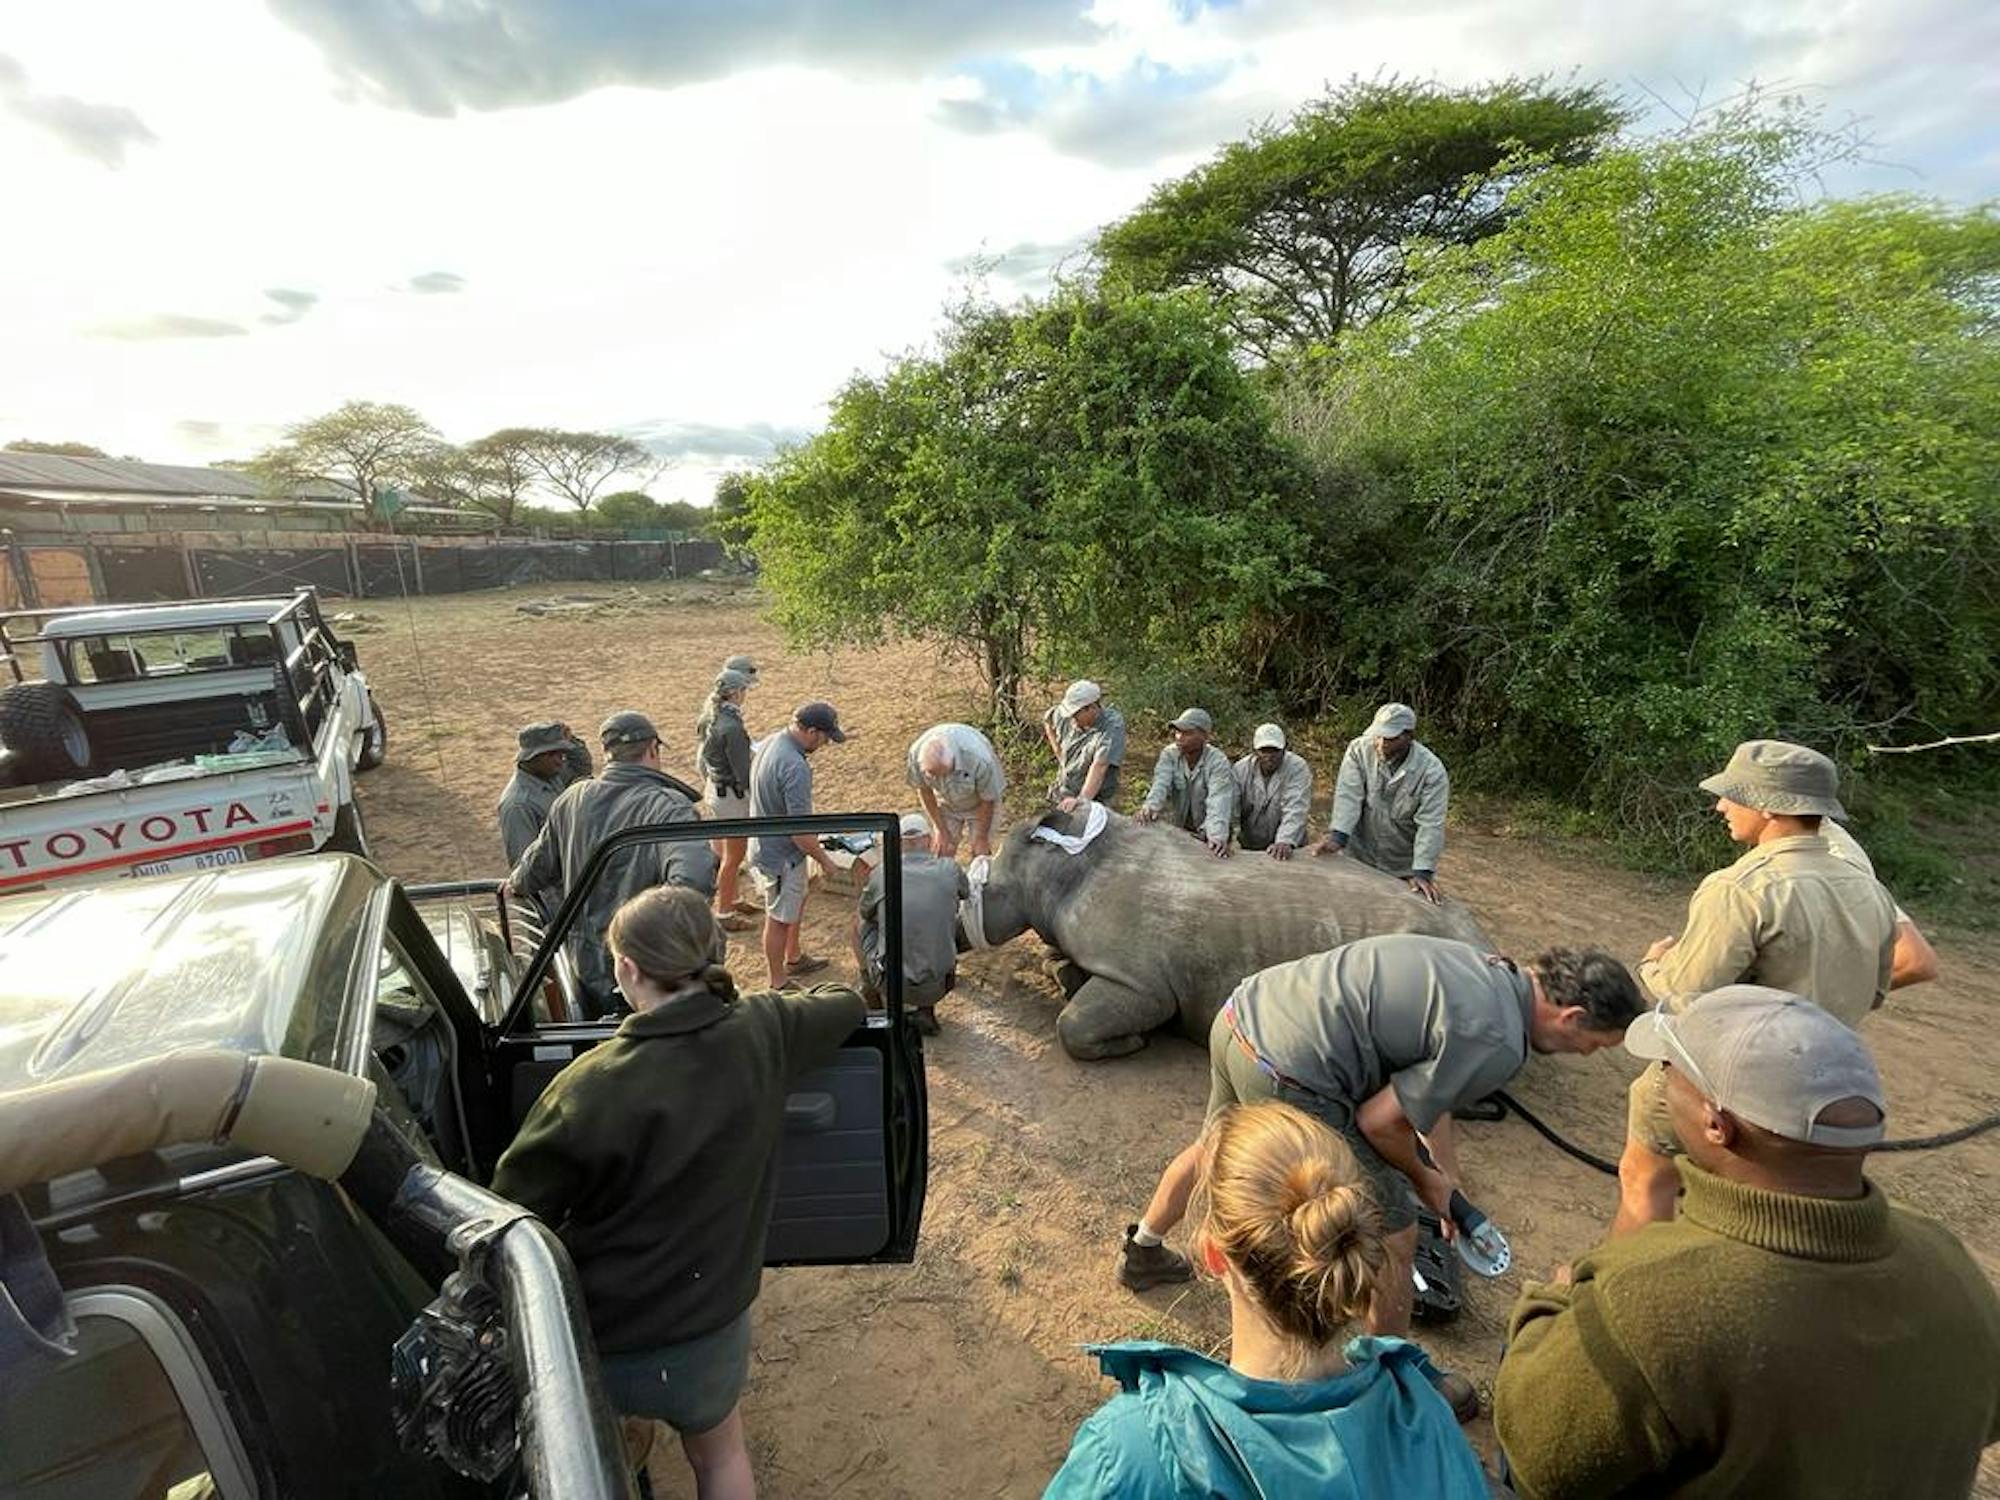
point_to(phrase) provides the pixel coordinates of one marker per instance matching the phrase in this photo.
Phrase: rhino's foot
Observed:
(1106, 1019)
(1064, 973)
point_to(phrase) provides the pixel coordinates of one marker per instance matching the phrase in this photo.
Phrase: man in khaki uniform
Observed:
(1791, 914)
(1193, 787)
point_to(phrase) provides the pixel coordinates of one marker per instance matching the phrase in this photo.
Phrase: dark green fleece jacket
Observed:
(1761, 1344)
(655, 1156)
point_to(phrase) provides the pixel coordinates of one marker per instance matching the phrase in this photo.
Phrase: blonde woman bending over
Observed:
(1287, 1224)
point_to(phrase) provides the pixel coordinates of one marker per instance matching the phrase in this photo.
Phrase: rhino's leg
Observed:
(1106, 1019)
(1065, 973)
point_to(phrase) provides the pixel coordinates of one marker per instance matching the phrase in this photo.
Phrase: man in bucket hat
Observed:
(1792, 1332)
(1389, 800)
(1791, 913)
(633, 790)
(547, 759)
(1087, 737)
(1193, 788)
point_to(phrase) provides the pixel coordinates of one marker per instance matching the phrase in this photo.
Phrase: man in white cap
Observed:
(1274, 790)
(957, 775)
(781, 781)
(1389, 801)
(1790, 913)
(932, 888)
(1192, 786)
(1087, 737)
(633, 790)
(1792, 1332)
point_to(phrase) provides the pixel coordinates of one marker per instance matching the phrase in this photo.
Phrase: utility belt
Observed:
(729, 789)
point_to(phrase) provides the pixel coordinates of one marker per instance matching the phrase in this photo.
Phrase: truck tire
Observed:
(348, 836)
(374, 740)
(41, 724)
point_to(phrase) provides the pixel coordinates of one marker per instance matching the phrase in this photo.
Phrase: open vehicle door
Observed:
(855, 1158)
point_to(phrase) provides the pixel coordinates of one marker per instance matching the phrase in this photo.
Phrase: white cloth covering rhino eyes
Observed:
(1075, 843)
(972, 910)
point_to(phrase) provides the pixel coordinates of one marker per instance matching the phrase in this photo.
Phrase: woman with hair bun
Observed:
(654, 1156)
(1287, 1224)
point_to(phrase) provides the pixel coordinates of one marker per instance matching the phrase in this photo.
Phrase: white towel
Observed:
(1075, 843)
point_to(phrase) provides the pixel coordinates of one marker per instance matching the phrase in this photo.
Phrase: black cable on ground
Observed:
(1610, 1168)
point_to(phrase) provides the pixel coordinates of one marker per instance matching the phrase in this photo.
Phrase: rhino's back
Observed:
(1163, 916)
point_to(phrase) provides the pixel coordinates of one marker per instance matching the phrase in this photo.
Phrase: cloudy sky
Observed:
(691, 220)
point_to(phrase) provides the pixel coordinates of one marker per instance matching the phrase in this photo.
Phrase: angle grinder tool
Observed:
(1480, 1243)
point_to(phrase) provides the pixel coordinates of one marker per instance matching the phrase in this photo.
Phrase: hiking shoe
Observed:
(1459, 1393)
(925, 1020)
(1142, 1267)
(749, 909)
(737, 922)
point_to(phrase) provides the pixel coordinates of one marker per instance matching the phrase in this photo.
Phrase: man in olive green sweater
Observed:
(1791, 1333)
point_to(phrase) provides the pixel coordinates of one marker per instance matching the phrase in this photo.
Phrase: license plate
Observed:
(208, 859)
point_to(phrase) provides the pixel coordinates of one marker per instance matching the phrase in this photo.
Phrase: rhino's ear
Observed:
(1056, 819)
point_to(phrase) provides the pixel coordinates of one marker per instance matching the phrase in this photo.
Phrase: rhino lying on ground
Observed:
(1155, 929)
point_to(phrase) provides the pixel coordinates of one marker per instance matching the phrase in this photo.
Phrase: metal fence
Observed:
(38, 574)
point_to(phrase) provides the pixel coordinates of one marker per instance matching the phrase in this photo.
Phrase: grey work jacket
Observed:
(1200, 798)
(725, 751)
(1272, 809)
(524, 809)
(1392, 816)
(625, 796)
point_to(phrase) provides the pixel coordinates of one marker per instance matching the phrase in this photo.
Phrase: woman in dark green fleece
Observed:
(655, 1157)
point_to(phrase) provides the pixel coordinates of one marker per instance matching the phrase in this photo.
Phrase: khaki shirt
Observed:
(1392, 816)
(975, 775)
(1791, 914)
(1200, 798)
(1272, 809)
(1078, 748)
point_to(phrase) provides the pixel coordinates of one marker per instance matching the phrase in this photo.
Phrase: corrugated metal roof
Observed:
(51, 471)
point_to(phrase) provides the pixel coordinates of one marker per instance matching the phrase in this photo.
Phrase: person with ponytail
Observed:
(1287, 1223)
(654, 1156)
(724, 753)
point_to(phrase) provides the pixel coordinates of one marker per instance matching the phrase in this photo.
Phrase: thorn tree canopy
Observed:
(1305, 230)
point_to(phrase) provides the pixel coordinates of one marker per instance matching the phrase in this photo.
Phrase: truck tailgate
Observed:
(221, 818)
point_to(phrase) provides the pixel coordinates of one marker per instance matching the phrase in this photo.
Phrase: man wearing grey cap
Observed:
(958, 777)
(1790, 913)
(932, 888)
(632, 791)
(781, 781)
(1791, 1332)
(1274, 790)
(548, 759)
(1087, 737)
(1192, 788)
(1389, 800)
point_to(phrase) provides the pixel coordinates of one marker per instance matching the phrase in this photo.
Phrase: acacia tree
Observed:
(1307, 228)
(576, 465)
(499, 471)
(365, 445)
(1076, 479)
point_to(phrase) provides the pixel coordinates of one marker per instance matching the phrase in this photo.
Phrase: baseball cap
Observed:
(1268, 737)
(1194, 718)
(1080, 694)
(629, 727)
(915, 825)
(540, 739)
(821, 716)
(1392, 719)
(1769, 1057)
(744, 665)
(732, 681)
(1776, 777)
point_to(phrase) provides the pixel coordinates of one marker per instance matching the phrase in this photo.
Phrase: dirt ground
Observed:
(964, 1374)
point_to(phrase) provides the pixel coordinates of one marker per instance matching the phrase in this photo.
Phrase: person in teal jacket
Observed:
(1287, 1224)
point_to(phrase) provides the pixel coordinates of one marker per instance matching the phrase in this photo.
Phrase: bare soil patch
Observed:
(964, 1374)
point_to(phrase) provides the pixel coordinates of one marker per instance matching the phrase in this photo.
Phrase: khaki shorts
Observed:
(723, 804)
(1646, 1117)
(784, 895)
(1235, 1078)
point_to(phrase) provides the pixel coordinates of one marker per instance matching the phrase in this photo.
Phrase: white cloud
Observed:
(701, 248)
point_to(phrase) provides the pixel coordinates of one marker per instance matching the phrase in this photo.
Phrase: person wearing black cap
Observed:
(780, 787)
(1792, 1333)
(632, 791)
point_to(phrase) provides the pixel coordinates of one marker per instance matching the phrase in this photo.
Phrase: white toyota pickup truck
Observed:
(141, 739)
